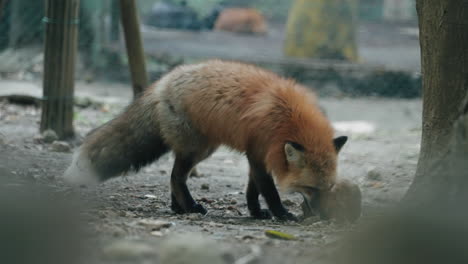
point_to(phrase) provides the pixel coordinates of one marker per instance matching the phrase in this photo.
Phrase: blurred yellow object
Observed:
(322, 29)
(279, 235)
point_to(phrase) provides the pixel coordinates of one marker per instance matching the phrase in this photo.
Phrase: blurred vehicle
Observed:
(241, 20)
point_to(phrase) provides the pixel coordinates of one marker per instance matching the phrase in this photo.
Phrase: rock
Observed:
(150, 196)
(157, 233)
(374, 174)
(154, 225)
(194, 217)
(288, 202)
(129, 250)
(60, 146)
(343, 202)
(85, 102)
(205, 186)
(191, 249)
(49, 136)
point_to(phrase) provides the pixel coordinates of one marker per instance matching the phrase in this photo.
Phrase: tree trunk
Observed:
(133, 42)
(322, 29)
(59, 66)
(444, 42)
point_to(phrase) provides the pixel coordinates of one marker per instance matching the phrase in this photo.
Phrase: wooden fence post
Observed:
(61, 37)
(135, 53)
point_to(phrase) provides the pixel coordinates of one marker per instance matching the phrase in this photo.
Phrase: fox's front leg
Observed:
(182, 200)
(253, 203)
(266, 187)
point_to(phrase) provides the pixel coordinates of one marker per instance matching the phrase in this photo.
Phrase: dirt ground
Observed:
(120, 214)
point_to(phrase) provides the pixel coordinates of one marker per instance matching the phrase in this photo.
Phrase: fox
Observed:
(241, 20)
(194, 109)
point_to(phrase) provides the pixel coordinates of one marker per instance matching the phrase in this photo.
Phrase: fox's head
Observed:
(310, 171)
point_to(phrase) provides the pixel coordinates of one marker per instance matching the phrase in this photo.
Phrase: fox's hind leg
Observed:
(182, 200)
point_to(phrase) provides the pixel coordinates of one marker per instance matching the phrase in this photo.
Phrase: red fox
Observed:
(194, 109)
(241, 20)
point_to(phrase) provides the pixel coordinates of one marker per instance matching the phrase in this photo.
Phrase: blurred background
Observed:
(350, 47)
(362, 56)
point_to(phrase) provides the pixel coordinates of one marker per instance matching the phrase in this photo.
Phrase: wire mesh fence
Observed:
(383, 34)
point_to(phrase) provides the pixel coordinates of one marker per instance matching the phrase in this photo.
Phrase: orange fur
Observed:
(253, 110)
(241, 20)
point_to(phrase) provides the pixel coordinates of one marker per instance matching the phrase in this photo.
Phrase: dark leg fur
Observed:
(265, 185)
(182, 201)
(253, 203)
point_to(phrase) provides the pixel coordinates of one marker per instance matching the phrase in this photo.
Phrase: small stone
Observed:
(205, 186)
(213, 224)
(122, 213)
(154, 225)
(150, 196)
(49, 136)
(60, 146)
(377, 185)
(206, 200)
(247, 237)
(233, 201)
(194, 217)
(374, 174)
(157, 233)
(288, 202)
(311, 220)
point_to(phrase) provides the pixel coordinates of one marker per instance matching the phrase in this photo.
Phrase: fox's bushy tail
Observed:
(128, 142)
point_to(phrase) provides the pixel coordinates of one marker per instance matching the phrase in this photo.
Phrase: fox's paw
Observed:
(175, 207)
(261, 214)
(195, 208)
(198, 208)
(287, 217)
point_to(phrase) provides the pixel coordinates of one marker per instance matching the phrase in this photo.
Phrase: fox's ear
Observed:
(339, 142)
(294, 154)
